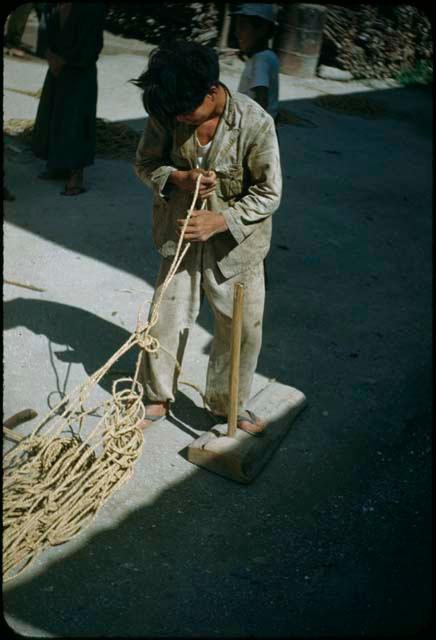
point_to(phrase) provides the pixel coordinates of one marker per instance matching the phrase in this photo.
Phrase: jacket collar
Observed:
(225, 135)
(230, 109)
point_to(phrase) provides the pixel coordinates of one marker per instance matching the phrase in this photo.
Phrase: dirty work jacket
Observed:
(245, 157)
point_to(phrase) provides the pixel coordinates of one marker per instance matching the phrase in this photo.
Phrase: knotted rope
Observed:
(55, 483)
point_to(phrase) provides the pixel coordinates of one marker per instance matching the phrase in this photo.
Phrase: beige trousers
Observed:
(198, 277)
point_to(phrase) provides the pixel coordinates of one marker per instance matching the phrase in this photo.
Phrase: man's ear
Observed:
(213, 91)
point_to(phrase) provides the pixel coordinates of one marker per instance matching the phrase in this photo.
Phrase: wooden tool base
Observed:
(241, 458)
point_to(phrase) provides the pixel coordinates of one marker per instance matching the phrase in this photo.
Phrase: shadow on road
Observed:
(326, 536)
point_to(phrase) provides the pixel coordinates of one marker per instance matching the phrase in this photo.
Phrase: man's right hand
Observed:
(55, 63)
(187, 180)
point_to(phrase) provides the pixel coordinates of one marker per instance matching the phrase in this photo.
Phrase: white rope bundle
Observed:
(55, 483)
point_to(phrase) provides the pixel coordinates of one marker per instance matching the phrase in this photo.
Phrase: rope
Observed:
(54, 484)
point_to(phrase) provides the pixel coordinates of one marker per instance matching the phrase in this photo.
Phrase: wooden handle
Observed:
(14, 421)
(19, 418)
(238, 299)
(11, 435)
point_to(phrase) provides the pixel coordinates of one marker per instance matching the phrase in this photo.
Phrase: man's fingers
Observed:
(192, 237)
(207, 181)
(191, 232)
(197, 213)
(182, 222)
(206, 190)
(207, 187)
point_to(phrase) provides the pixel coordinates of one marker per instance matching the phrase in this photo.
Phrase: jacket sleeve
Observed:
(152, 163)
(265, 190)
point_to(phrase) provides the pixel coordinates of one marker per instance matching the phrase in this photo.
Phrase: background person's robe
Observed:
(65, 126)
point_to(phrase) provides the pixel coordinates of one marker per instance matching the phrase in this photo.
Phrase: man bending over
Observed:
(198, 126)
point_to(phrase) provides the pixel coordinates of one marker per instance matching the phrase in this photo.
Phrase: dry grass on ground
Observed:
(114, 140)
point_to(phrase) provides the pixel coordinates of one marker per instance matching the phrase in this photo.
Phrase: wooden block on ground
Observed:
(242, 458)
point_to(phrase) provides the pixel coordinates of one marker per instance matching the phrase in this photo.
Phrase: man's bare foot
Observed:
(154, 412)
(246, 421)
(249, 422)
(74, 185)
(16, 51)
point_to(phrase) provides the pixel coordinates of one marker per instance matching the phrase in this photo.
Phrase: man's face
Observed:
(249, 32)
(203, 112)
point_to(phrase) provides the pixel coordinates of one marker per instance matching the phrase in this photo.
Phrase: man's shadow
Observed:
(89, 340)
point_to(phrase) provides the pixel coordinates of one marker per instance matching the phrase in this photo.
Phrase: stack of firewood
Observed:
(155, 22)
(375, 41)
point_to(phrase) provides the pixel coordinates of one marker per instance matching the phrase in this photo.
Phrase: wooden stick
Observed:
(238, 298)
(225, 29)
(14, 421)
(8, 433)
(22, 284)
(19, 418)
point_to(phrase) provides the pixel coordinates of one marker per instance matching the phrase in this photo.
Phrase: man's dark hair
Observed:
(178, 77)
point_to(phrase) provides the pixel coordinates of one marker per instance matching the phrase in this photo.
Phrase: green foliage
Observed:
(421, 74)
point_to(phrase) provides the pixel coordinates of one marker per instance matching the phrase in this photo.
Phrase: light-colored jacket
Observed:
(245, 157)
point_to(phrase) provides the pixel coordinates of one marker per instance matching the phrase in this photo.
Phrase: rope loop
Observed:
(147, 342)
(54, 485)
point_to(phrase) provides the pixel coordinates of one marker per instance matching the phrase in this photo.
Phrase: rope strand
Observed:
(54, 485)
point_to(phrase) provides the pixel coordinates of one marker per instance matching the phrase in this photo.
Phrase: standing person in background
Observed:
(15, 27)
(65, 126)
(43, 11)
(260, 78)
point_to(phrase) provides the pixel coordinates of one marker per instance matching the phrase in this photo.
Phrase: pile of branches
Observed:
(376, 41)
(156, 22)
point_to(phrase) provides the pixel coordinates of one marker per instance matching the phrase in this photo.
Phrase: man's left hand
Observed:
(203, 225)
(55, 62)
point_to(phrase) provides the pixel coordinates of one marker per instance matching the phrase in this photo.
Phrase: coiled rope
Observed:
(55, 482)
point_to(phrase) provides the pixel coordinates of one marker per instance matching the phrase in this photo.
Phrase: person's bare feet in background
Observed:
(74, 185)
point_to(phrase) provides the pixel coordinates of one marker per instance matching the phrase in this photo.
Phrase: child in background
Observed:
(260, 78)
